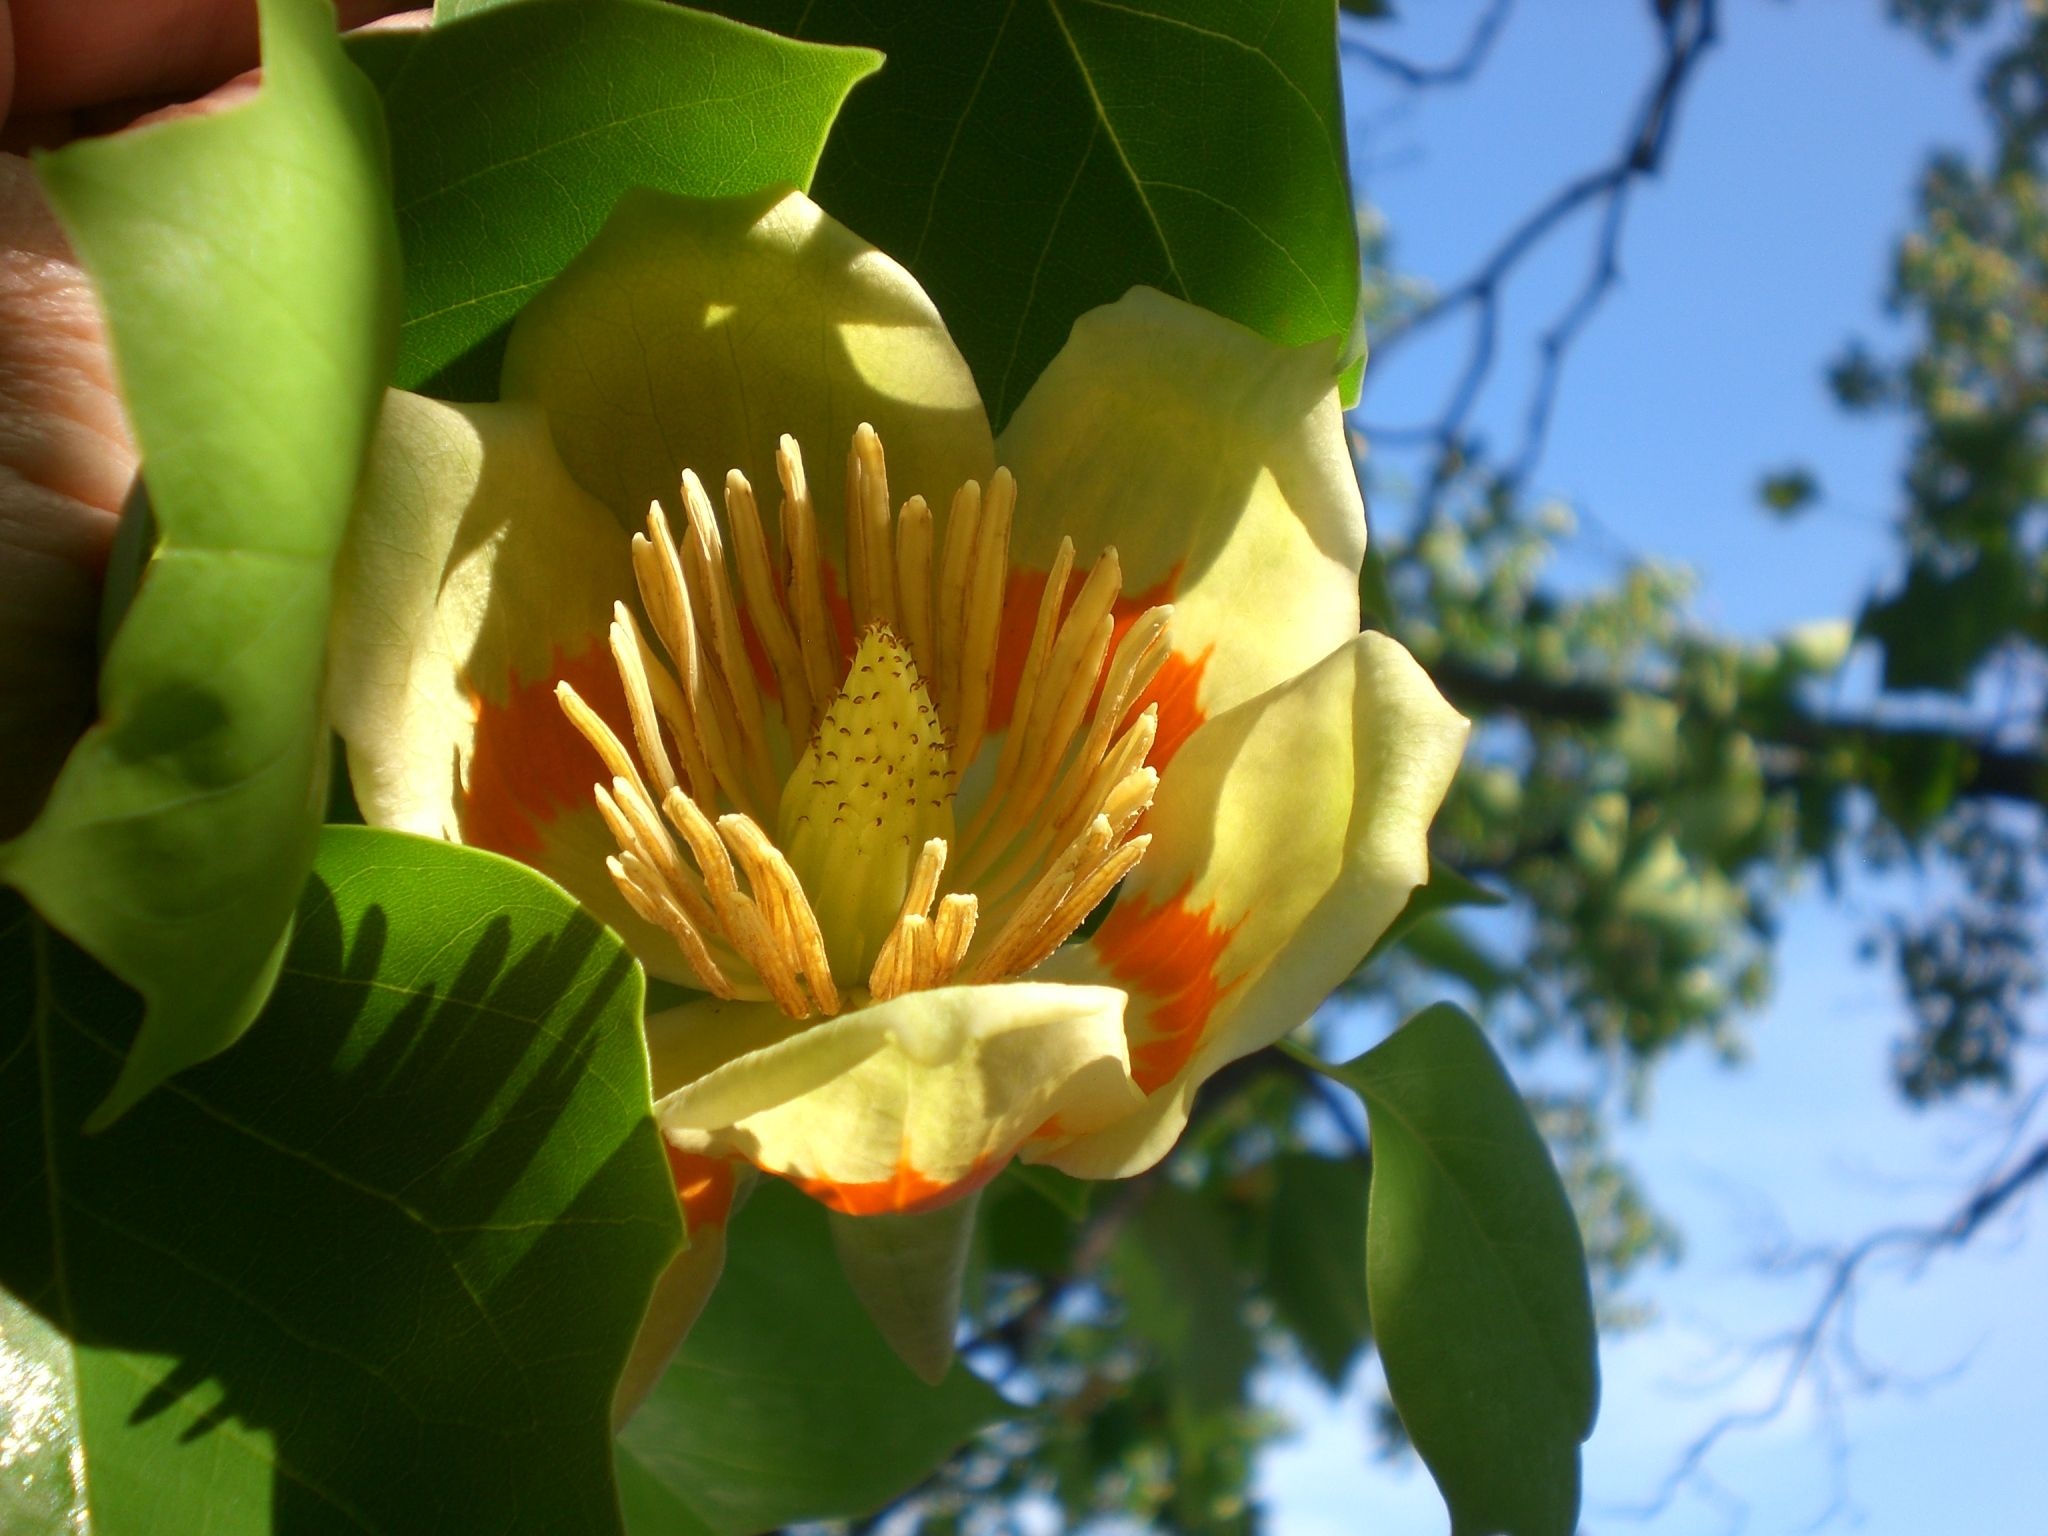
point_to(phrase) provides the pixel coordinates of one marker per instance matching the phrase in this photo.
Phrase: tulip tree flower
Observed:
(857, 772)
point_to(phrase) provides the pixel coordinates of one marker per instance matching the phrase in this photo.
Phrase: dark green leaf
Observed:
(1069, 1196)
(1315, 1261)
(1181, 1295)
(514, 131)
(1197, 148)
(1943, 622)
(1023, 1230)
(1444, 890)
(376, 1268)
(1443, 945)
(1480, 1304)
(1788, 492)
(908, 1270)
(785, 1403)
(247, 267)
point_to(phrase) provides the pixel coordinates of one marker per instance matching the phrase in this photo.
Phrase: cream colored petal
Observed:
(1216, 463)
(1286, 838)
(692, 333)
(476, 574)
(902, 1105)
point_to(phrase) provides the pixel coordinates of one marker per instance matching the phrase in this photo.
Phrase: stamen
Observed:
(952, 932)
(893, 963)
(914, 582)
(698, 707)
(955, 569)
(796, 924)
(872, 570)
(837, 904)
(983, 618)
(1043, 634)
(1049, 705)
(738, 914)
(655, 906)
(626, 653)
(763, 583)
(704, 571)
(597, 733)
(824, 662)
(1019, 936)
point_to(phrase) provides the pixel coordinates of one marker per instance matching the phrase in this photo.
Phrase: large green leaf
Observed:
(1477, 1277)
(1315, 1257)
(514, 128)
(249, 275)
(1197, 148)
(786, 1404)
(377, 1267)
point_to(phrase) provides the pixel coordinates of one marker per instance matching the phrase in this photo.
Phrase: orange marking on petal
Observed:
(905, 1192)
(1167, 954)
(1021, 597)
(703, 1186)
(1177, 691)
(528, 764)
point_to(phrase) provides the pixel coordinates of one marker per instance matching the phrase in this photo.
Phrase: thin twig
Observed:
(1801, 1347)
(1469, 61)
(1688, 28)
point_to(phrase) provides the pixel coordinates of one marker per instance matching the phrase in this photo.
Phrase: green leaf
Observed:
(1445, 946)
(376, 1268)
(249, 276)
(1788, 492)
(908, 1271)
(1069, 1196)
(785, 1404)
(1480, 1304)
(1021, 1229)
(1943, 622)
(514, 131)
(1181, 1294)
(1197, 148)
(1444, 890)
(1315, 1259)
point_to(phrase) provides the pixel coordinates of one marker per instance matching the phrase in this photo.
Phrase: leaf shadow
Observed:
(370, 1247)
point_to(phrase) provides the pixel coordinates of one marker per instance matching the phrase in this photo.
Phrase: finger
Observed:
(79, 53)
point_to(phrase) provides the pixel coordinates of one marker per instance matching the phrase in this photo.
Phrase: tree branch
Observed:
(1985, 770)
(1468, 63)
(1802, 1347)
(1688, 28)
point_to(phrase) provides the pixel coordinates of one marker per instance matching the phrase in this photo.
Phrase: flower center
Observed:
(883, 702)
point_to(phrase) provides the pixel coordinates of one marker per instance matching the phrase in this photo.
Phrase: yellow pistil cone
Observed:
(873, 787)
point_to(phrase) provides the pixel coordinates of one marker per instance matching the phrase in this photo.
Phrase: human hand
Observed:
(67, 455)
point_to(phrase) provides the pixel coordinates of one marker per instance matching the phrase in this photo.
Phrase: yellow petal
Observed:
(692, 333)
(900, 1106)
(1286, 837)
(1215, 462)
(475, 575)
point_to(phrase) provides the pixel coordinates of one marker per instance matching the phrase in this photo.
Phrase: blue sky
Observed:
(1763, 251)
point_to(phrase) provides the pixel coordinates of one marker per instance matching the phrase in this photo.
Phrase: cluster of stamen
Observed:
(860, 773)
